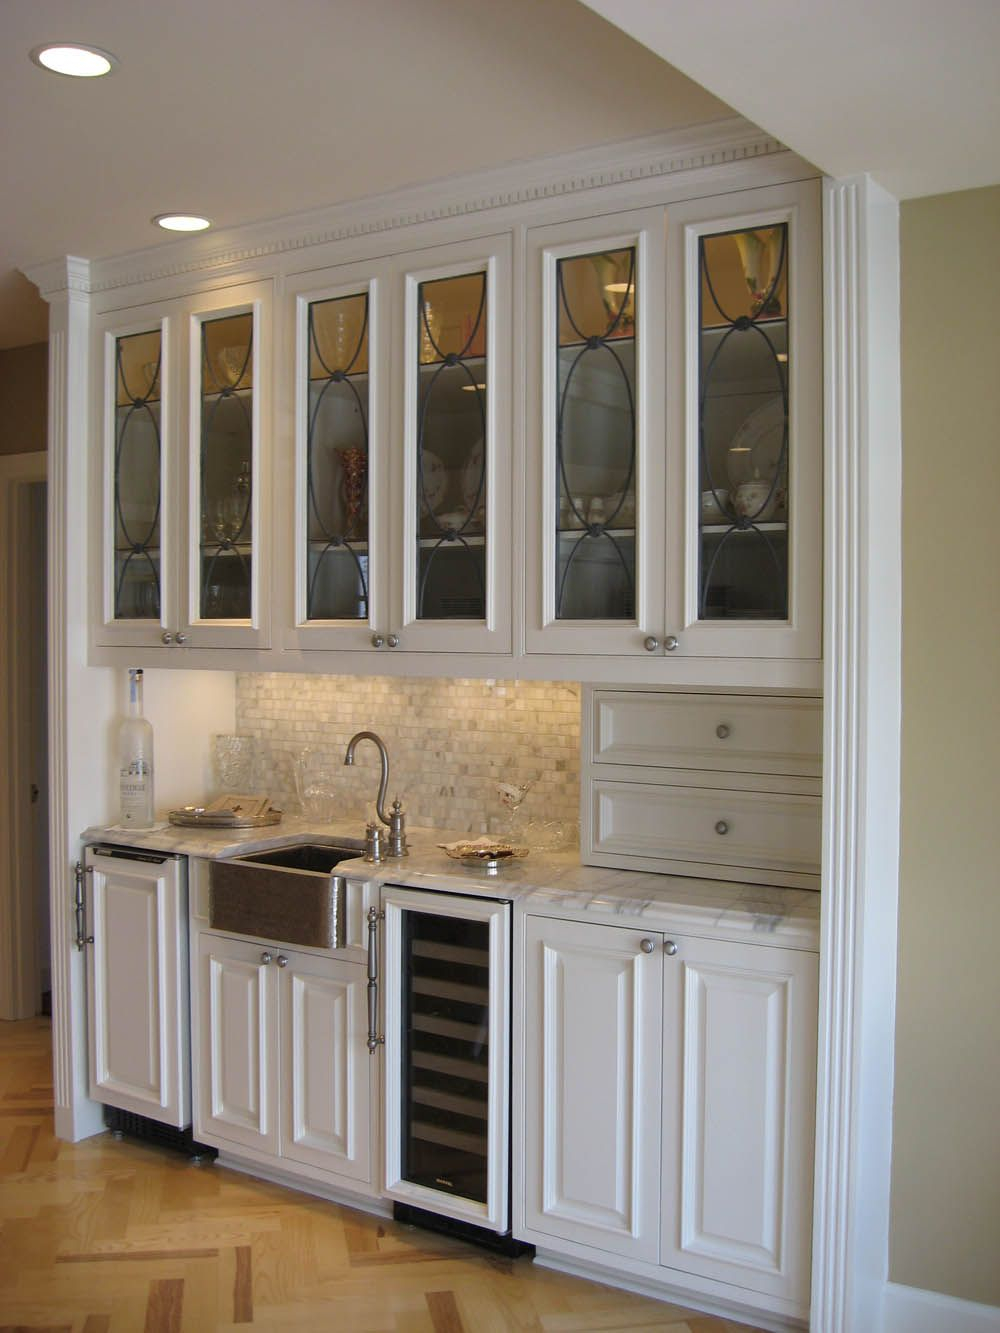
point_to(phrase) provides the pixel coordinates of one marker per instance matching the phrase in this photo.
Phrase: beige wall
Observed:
(23, 398)
(946, 1155)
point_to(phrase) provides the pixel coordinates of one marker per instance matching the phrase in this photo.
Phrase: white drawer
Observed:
(729, 733)
(691, 830)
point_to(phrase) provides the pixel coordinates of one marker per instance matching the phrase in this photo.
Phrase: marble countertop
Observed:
(543, 882)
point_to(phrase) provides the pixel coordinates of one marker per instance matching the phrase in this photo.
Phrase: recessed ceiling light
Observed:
(181, 222)
(80, 62)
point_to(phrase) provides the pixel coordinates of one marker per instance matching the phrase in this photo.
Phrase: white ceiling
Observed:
(908, 90)
(250, 109)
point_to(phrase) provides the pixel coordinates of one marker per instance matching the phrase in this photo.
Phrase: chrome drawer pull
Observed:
(647, 946)
(722, 731)
(722, 827)
(669, 947)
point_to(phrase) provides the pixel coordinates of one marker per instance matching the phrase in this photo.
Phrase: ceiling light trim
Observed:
(185, 222)
(37, 53)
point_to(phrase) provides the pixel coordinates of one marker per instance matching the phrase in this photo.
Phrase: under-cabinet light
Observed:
(472, 388)
(79, 62)
(181, 222)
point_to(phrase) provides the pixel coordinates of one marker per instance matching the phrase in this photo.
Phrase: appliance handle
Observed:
(80, 905)
(374, 1040)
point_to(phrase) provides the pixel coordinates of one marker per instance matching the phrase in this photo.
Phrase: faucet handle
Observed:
(397, 830)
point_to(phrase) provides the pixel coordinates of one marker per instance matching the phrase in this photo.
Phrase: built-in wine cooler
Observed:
(447, 1055)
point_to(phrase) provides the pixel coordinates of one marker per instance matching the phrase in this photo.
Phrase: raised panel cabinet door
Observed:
(326, 1068)
(238, 1097)
(136, 995)
(592, 1085)
(739, 1086)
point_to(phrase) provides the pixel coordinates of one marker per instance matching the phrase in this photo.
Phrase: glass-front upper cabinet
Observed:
(453, 515)
(342, 456)
(226, 582)
(595, 329)
(182, 512)
(752, 424)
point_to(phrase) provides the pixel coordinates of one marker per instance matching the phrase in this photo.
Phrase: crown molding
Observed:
(69, 274)
(695, 148)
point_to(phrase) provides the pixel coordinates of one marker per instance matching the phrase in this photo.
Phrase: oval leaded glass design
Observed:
(452, 448)
(226, 467)
(743, 425)
(596, 436)
(337, 460)
(136, 487)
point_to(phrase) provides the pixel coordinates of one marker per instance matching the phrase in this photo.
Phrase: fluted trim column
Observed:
(862, 598)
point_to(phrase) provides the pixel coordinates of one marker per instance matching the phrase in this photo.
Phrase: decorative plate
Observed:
(473, 477)
(761, 437)
(196, 816)
(484, 851)
(434, 475)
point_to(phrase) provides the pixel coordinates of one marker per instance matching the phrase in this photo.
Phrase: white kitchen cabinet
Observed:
(137, 986)
(592, 1086)
(675, 431)
(182, 541)
(283, 1068)
(668, 1095)
(403, 456)
(739, 1055)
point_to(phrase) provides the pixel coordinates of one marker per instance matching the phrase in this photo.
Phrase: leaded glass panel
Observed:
(595, 519)
(337, 537)
(743, 412)
(137, 485)
(227, 467)
(452, 448)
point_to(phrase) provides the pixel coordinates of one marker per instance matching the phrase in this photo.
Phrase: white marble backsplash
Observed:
(450, 743)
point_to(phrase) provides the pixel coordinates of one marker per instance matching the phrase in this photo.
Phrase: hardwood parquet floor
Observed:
(110, 1236)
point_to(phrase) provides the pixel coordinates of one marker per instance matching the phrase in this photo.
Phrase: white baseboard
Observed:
(910, 1310)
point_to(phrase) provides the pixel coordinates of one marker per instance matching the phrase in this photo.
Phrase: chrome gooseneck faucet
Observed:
(396, 820)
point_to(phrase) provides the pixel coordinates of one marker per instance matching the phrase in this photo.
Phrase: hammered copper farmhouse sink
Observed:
(287, 895)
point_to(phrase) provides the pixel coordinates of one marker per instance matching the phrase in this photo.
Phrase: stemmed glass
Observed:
(512, 796)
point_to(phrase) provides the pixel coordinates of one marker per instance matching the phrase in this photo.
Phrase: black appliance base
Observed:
(449, 1226)
(152, 1131)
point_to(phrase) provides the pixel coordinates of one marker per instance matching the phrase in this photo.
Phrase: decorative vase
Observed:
(354, 466)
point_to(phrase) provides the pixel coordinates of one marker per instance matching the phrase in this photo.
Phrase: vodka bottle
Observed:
(135, 760)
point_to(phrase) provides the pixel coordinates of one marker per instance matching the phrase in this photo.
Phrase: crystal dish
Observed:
(196, 816)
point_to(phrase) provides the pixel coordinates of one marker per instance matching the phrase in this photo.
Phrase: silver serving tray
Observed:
(193, 816)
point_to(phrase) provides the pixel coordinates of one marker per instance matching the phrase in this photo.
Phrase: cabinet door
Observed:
(451, 520)
(226, 584)
(326, 1069)
(137, 987)
(238, 1036)
(595, 511)
(341, 355)
(136, 553)
(592, 1086)
(745, 357)
(739, 1087)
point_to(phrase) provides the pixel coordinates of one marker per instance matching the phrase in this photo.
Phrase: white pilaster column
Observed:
(76, 734)
(862, 598)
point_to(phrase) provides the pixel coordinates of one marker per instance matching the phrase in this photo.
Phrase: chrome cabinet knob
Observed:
(651, 644)
(393, 641)
(669, 947)
(377, 641)
(266, 957)
(722, 731)
(647, 946)
(180, 638)
(166, 637)
(281, 960)
(722, 827)
(671, 642)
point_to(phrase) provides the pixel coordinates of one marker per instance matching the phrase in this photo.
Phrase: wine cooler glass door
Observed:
(447, 1054)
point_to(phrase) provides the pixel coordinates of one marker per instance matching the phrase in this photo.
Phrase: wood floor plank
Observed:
(243, 1286)
(165, 1306)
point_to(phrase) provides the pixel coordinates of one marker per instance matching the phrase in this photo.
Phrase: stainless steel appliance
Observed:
(446, 963)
